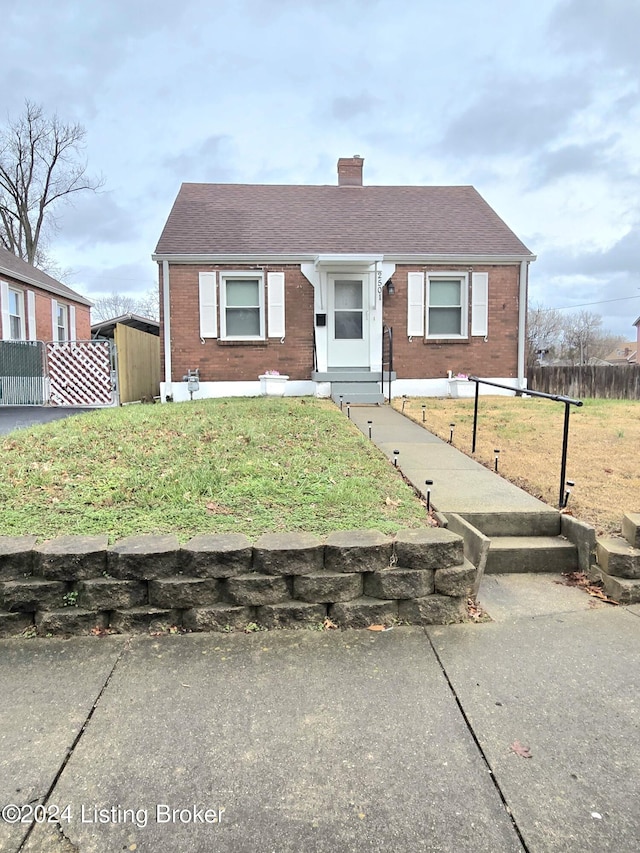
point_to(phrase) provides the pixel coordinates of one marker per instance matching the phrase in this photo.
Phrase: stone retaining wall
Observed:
(78, 584)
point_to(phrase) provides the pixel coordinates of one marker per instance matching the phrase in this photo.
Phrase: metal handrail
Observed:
(559, 398)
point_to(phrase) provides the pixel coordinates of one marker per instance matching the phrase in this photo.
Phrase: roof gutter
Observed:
(302, 257)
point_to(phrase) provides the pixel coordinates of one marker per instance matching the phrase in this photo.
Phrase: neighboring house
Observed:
(308, 280)
(626, 353)
(36, 307)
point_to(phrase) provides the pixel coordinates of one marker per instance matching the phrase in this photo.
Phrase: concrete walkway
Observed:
(460, 484)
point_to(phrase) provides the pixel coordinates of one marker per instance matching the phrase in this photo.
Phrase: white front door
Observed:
(348, 322)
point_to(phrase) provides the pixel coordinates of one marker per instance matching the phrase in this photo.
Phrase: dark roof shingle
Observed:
(15, 267)
(276, 219)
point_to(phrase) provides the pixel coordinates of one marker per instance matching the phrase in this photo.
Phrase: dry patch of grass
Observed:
(603, 457)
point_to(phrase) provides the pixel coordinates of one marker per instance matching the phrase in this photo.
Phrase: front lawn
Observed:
(603, 457)
(212, 466)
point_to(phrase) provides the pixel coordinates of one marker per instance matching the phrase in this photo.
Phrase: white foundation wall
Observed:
(303, 388)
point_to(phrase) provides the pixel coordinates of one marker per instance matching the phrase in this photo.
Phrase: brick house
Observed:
(312, 281)
(36, 307)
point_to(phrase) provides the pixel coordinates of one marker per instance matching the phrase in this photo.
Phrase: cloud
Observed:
(607, 29)
(91, 219)
(345, 107)
(572, 159)
(515, 116)
(209, 160)
(132, 279)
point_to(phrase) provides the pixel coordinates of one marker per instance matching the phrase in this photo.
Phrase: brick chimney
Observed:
(350, 171)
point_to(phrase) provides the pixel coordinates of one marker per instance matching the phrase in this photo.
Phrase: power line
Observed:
(601, 302)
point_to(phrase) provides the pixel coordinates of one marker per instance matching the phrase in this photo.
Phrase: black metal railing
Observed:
(387, 356)
(559, 398)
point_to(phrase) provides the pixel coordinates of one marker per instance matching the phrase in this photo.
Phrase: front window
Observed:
(16, 315)
(242, 314)
(62, 323)
(447, 306)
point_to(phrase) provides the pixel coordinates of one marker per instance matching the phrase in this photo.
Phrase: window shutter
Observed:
(480, 304)
(54, 320)
(31, 315)
(72, 322)
(208, 305)
(415, 304)
(4, 305)
(275, 304)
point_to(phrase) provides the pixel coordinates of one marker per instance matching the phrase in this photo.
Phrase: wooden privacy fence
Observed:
(619, 382)
(138, 363)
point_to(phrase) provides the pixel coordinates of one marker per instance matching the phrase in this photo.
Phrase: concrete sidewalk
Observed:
(325, 741)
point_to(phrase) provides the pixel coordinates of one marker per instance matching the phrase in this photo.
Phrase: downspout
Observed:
(522, 324)
(167, 328)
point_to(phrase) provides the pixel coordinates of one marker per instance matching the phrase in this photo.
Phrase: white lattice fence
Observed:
(80, 373)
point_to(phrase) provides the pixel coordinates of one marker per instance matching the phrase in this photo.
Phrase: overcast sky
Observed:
(534, 102)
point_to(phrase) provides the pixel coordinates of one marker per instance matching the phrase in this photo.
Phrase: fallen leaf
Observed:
(390, 502)
(328, 624)
(519, 749)
(379, 628)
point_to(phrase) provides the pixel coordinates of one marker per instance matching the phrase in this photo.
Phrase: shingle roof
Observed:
(14, 267)
(279, 219)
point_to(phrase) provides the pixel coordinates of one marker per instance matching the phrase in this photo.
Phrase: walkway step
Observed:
(511, 554)
(623, 590)
(358, 393)
(503, 522)
(616, 557)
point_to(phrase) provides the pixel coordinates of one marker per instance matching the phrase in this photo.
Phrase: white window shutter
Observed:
(415, 304)
(31, 315)
(72, 322)
(275, 304)
(4, 305)
(208, 305)
(480, 304)
(54, 320)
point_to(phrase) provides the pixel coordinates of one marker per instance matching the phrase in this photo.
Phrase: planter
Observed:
(272, 386)
(461, 388)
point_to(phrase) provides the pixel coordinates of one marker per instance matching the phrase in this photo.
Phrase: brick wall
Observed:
(78, 584)
(44, 321)
(421, 358)
(233, 361)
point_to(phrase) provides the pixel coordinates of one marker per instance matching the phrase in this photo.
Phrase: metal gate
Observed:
(23, 375)
(82, 373)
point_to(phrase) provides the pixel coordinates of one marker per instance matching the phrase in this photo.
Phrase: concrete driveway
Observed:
(19, 417)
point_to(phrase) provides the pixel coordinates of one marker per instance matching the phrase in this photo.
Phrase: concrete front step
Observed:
(511, 554)
(631, 528)
(543, 522)
(358, 393)
(618, 558)
(622, 590)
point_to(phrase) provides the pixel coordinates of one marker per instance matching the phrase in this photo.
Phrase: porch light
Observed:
(391, 288)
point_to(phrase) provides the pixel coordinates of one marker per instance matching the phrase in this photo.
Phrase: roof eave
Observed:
(49, 288)
(312, 257)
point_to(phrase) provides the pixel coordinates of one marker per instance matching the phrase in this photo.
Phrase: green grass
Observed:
(213, 466)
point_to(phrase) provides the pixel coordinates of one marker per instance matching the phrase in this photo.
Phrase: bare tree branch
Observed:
(41, 164)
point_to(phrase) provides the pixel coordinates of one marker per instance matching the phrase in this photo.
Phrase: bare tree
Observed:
(544, 333)
(581, 333)
(41, 164)
(117, 304)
